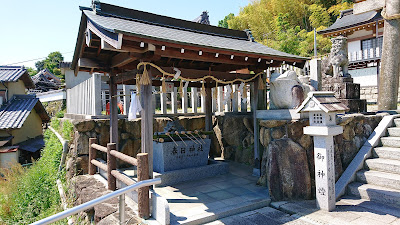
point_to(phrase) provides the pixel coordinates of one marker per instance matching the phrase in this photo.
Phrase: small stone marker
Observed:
(322, 108)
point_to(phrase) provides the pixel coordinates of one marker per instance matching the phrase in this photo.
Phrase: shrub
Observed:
(30, 194)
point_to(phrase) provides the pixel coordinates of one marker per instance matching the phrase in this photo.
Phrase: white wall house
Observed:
(364, 34)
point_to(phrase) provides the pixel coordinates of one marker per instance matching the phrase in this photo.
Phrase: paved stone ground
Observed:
(213, 198)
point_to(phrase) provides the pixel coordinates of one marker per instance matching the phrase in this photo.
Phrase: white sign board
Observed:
(368, 5)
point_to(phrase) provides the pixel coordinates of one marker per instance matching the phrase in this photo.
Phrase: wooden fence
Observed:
(85, 98)
(141, 162)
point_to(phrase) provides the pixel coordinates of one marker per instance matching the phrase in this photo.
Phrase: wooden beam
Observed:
(211, 50)
(88, 63)
(122, 59)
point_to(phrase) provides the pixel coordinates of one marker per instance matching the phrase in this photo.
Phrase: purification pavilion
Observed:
(131, 45)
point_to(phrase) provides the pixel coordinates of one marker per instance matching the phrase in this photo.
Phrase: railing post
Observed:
(111, 165)
(143, 193)
(121, 209)
(92, 155)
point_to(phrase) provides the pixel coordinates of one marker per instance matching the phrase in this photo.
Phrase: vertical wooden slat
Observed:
(194, 99)
(143, 193)
(147, 123)
(228, 102)
(127, 97)
(184, 101)
(243, 105)
(163, 98)
(220, 99)
(92, 155)
(174, 100)
(235, 106)
(111, 165)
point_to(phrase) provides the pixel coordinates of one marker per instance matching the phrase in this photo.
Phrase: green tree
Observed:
(224, 22)
(319, 16)
(52, 63)
(31, 71)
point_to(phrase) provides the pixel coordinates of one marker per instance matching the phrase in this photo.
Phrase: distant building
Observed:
(21, 117)
(364, 34)
(46, 81)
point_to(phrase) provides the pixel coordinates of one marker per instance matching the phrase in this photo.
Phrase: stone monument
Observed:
(322, 108)
(335, 77)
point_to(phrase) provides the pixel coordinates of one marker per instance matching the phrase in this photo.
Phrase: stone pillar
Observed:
(389, 77)
(315, 74)
(324, 172)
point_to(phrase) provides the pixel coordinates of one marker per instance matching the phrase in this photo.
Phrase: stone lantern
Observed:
(322, 108)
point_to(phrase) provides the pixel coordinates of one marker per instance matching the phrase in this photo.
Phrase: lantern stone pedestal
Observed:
(322, 108)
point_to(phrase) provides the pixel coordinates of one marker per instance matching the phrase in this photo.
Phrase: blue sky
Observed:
(32, 29)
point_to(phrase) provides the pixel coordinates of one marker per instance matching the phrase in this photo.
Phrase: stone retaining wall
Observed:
(370, 93)
(233, 138)
(288, 158)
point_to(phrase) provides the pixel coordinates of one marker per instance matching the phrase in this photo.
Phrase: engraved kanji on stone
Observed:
(321, 174)
(320, 157)
(183, 150)
(192, 149)
(174, 151)
(321, 191)
(200, 148)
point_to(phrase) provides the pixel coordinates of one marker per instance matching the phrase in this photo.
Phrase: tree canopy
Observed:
(52, 63)
(288, 25)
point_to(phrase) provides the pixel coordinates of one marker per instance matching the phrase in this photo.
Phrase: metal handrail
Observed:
(90, 204)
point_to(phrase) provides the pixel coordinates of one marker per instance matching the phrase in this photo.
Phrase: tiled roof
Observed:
(177, 35)
(11, 73)
(33, 144)
(14, 73)
(347, 19)
(14, 114)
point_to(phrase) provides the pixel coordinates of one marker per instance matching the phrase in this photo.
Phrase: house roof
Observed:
(46, 75)
(347, 20)
(33, 144)
(322, 101)
(14, 73)
(115, 21)
(14, 114)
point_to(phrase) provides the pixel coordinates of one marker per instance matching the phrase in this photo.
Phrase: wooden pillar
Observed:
(174, 100)
(147, 123)
(389, 77)
(254, 107)
(208, 109)
(113, 111)
(111, 165)
(92, 155)
(143, 193)
(243, 105)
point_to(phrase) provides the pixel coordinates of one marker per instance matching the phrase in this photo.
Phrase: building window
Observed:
(371, 48)
(317, 118)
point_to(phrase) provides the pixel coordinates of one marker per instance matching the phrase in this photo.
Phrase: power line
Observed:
(10, 64)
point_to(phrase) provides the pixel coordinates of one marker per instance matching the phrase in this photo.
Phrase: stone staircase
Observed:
(379, 180)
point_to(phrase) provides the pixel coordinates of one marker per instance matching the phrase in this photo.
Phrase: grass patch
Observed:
(31, 194)
(64, 128)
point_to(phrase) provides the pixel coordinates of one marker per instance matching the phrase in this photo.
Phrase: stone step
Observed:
(371, 206)
(383, 165)
(397, 122)
(394, 131)
(387, 153)
(388, 180)
(375, 193)
(211, 214)
(391, 142)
